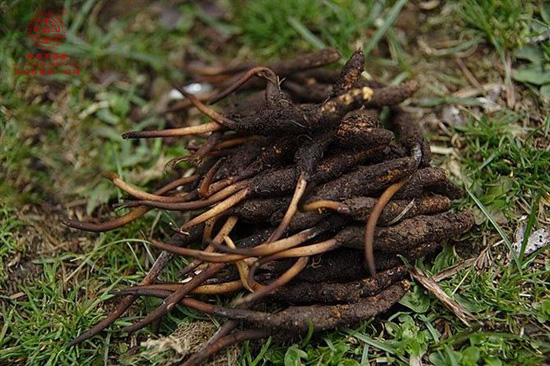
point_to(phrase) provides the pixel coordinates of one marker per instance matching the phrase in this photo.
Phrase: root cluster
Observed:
(302, 197)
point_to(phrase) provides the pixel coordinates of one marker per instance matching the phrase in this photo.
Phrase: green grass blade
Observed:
(306, 33)
(368, 340)
(394, 12)
(499, 229)
(530, 225)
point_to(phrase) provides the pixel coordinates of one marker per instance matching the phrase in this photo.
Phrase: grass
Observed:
(50, 163)
(273, 30)
(505, 164)
(506, 24)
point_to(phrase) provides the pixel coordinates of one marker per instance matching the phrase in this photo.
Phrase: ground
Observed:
(485, 89)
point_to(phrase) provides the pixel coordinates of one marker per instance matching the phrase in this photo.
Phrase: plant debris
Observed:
(302, 197)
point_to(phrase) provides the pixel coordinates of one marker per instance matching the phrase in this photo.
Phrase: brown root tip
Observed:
(74, 224)
(109, 175)
(130, 135)
(75, 341)
(65, 221)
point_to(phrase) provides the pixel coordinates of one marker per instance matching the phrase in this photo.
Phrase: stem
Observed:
(163, 290)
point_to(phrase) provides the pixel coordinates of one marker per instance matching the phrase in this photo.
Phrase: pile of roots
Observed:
(302, 197)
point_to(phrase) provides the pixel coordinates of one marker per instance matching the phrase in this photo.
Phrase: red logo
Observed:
(47, 30)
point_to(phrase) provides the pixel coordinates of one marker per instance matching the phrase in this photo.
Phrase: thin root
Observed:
(292, 208)
(276, 246)
(272, 286)
(242, 267)
(138, 193)
(219, 118)
(218, 239)
(237, 84)
(130, 216)
(339, 207)
(372, 221)
(204, 187)
(170, 302)
(217, 210)
(174, 132)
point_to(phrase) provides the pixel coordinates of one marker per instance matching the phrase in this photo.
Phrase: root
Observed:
(218, 239)
(304, 252)
(219, 209)
(256, 71)
(331, 205)
(350, 292)
(198, 254)
(237, 337)
(180, 203)
(220, 119)
(204, 187)
(138, 193)
(266, 290)
(350, 74)
(292, 208)
(300, 319)
(171, 301)
(373, 219)
(236, 141)
(242, 267)
(174, 132)
(396, 210)
(276, 246)
(150, 278)
(365, 180)
(313, 142)
(392, 95)
(130, 216)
